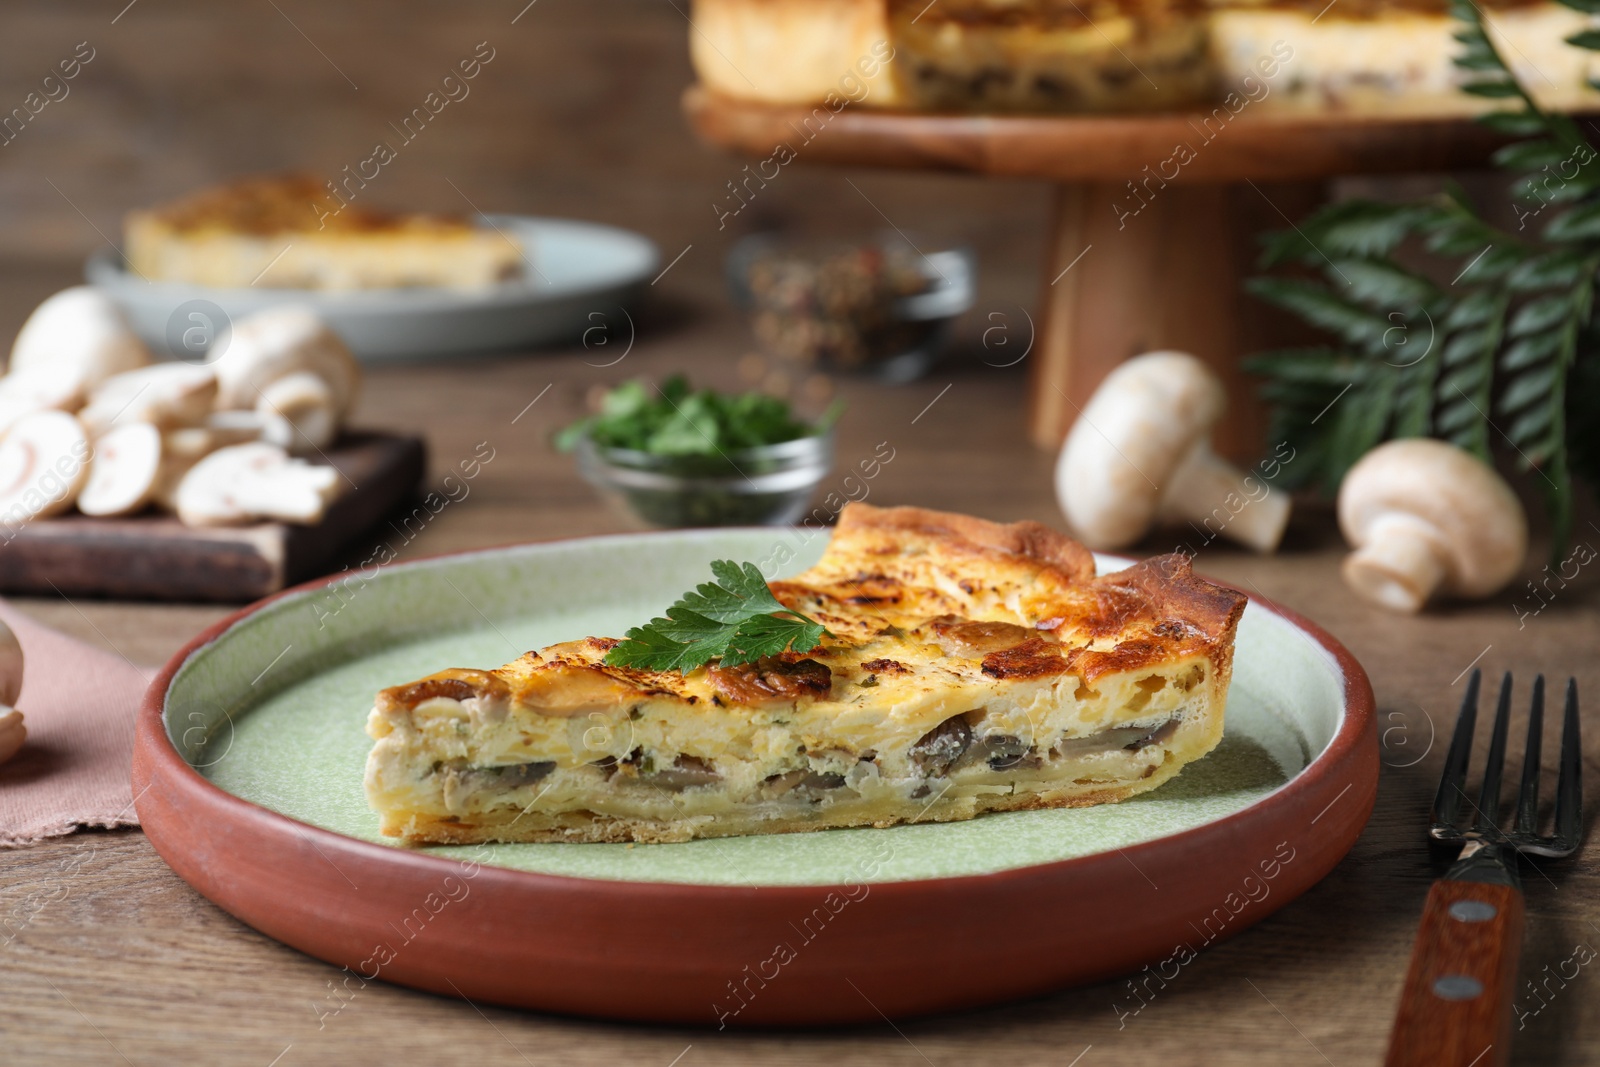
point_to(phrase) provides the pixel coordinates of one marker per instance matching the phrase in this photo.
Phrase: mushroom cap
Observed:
(77, 330)
(127, 465)
(1468, 511)
(280, 341)
(44, 462)
(166, 394)
(1145, 418)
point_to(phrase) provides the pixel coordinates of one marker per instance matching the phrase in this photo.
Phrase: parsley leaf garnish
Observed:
(735, 619)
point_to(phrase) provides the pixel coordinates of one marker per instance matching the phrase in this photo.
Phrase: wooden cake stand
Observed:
(1155, 216)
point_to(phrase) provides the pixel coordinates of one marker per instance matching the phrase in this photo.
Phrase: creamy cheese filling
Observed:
(953, 763)
(781, 768)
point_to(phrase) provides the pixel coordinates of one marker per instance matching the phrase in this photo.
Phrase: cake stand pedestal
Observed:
(1154, 223)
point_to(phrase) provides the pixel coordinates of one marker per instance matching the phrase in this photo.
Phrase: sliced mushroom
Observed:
(23, 395)
(246, 483)
(936, 751)
(167, 394)
(299, 413)
(125, 473)
(12, 733)
(276, 343)
(44, 463)
(191, 443)
(234, 427)
(686, 772)
(71, 343)
(181, 449)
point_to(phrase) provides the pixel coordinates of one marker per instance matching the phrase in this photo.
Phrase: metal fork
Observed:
(1456, 1006)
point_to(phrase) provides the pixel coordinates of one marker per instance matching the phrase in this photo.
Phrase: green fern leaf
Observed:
(1559, 269)
(1527, 388)
(1475, 309)
(1495, 89)
(1382, 284)
(1512, 123)
(1318, 306)
(1537, 316)
(1529, 351)
(1531, 424)
(1360, 228)
(1530, 155)
(1578, 224)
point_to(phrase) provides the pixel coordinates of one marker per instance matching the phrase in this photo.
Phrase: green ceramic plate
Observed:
(295, 682)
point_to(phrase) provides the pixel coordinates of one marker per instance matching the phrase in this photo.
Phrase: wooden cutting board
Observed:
(156, 557)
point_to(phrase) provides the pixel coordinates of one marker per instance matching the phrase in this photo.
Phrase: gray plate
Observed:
(584, 279)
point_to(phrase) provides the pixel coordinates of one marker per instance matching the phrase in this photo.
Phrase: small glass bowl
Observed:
(895, 339)
(766, 486)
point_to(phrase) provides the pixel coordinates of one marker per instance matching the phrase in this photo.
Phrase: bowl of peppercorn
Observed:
(879, 308)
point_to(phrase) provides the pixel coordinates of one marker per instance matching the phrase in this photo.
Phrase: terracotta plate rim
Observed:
(1358, 717)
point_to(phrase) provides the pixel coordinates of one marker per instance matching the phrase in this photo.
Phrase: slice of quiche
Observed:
(968, 667)
(293, 231)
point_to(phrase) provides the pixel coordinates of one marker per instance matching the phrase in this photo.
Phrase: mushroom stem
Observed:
(10, 668)
(1221, 500)
(1401, 564)
(12, 733)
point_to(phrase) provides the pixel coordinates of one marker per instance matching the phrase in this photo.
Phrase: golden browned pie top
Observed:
(912, 599)
(289, 203)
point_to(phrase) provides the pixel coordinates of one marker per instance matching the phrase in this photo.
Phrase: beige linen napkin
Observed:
(79, 703)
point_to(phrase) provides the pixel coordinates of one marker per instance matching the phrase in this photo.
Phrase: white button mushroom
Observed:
(299, 413)
(72, 342)
(246, 483)
(276, 343)
(167, 394)
(1140, 453)
(44, 463)
(125, 472)
(234, 427)
(1424, 517)
(12, 731)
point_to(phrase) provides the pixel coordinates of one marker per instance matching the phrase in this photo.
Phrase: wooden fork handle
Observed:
(1456, 1007)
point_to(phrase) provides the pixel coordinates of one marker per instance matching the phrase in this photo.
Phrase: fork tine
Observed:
(1528, 795)
(1489, 798)
(1452, 783)
(1569, 787)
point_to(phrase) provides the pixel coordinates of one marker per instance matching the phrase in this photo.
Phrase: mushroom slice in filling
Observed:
(967, 668)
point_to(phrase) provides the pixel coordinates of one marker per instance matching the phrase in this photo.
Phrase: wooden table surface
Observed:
(118, 962)
(125, 964)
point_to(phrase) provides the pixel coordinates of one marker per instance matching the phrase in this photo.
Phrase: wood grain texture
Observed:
(1260, 145)
(1470, 933)
(104, 928)
(1131, 270)
(156, 557)
(1166, 278)
(106, 957)
(1145, 248)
